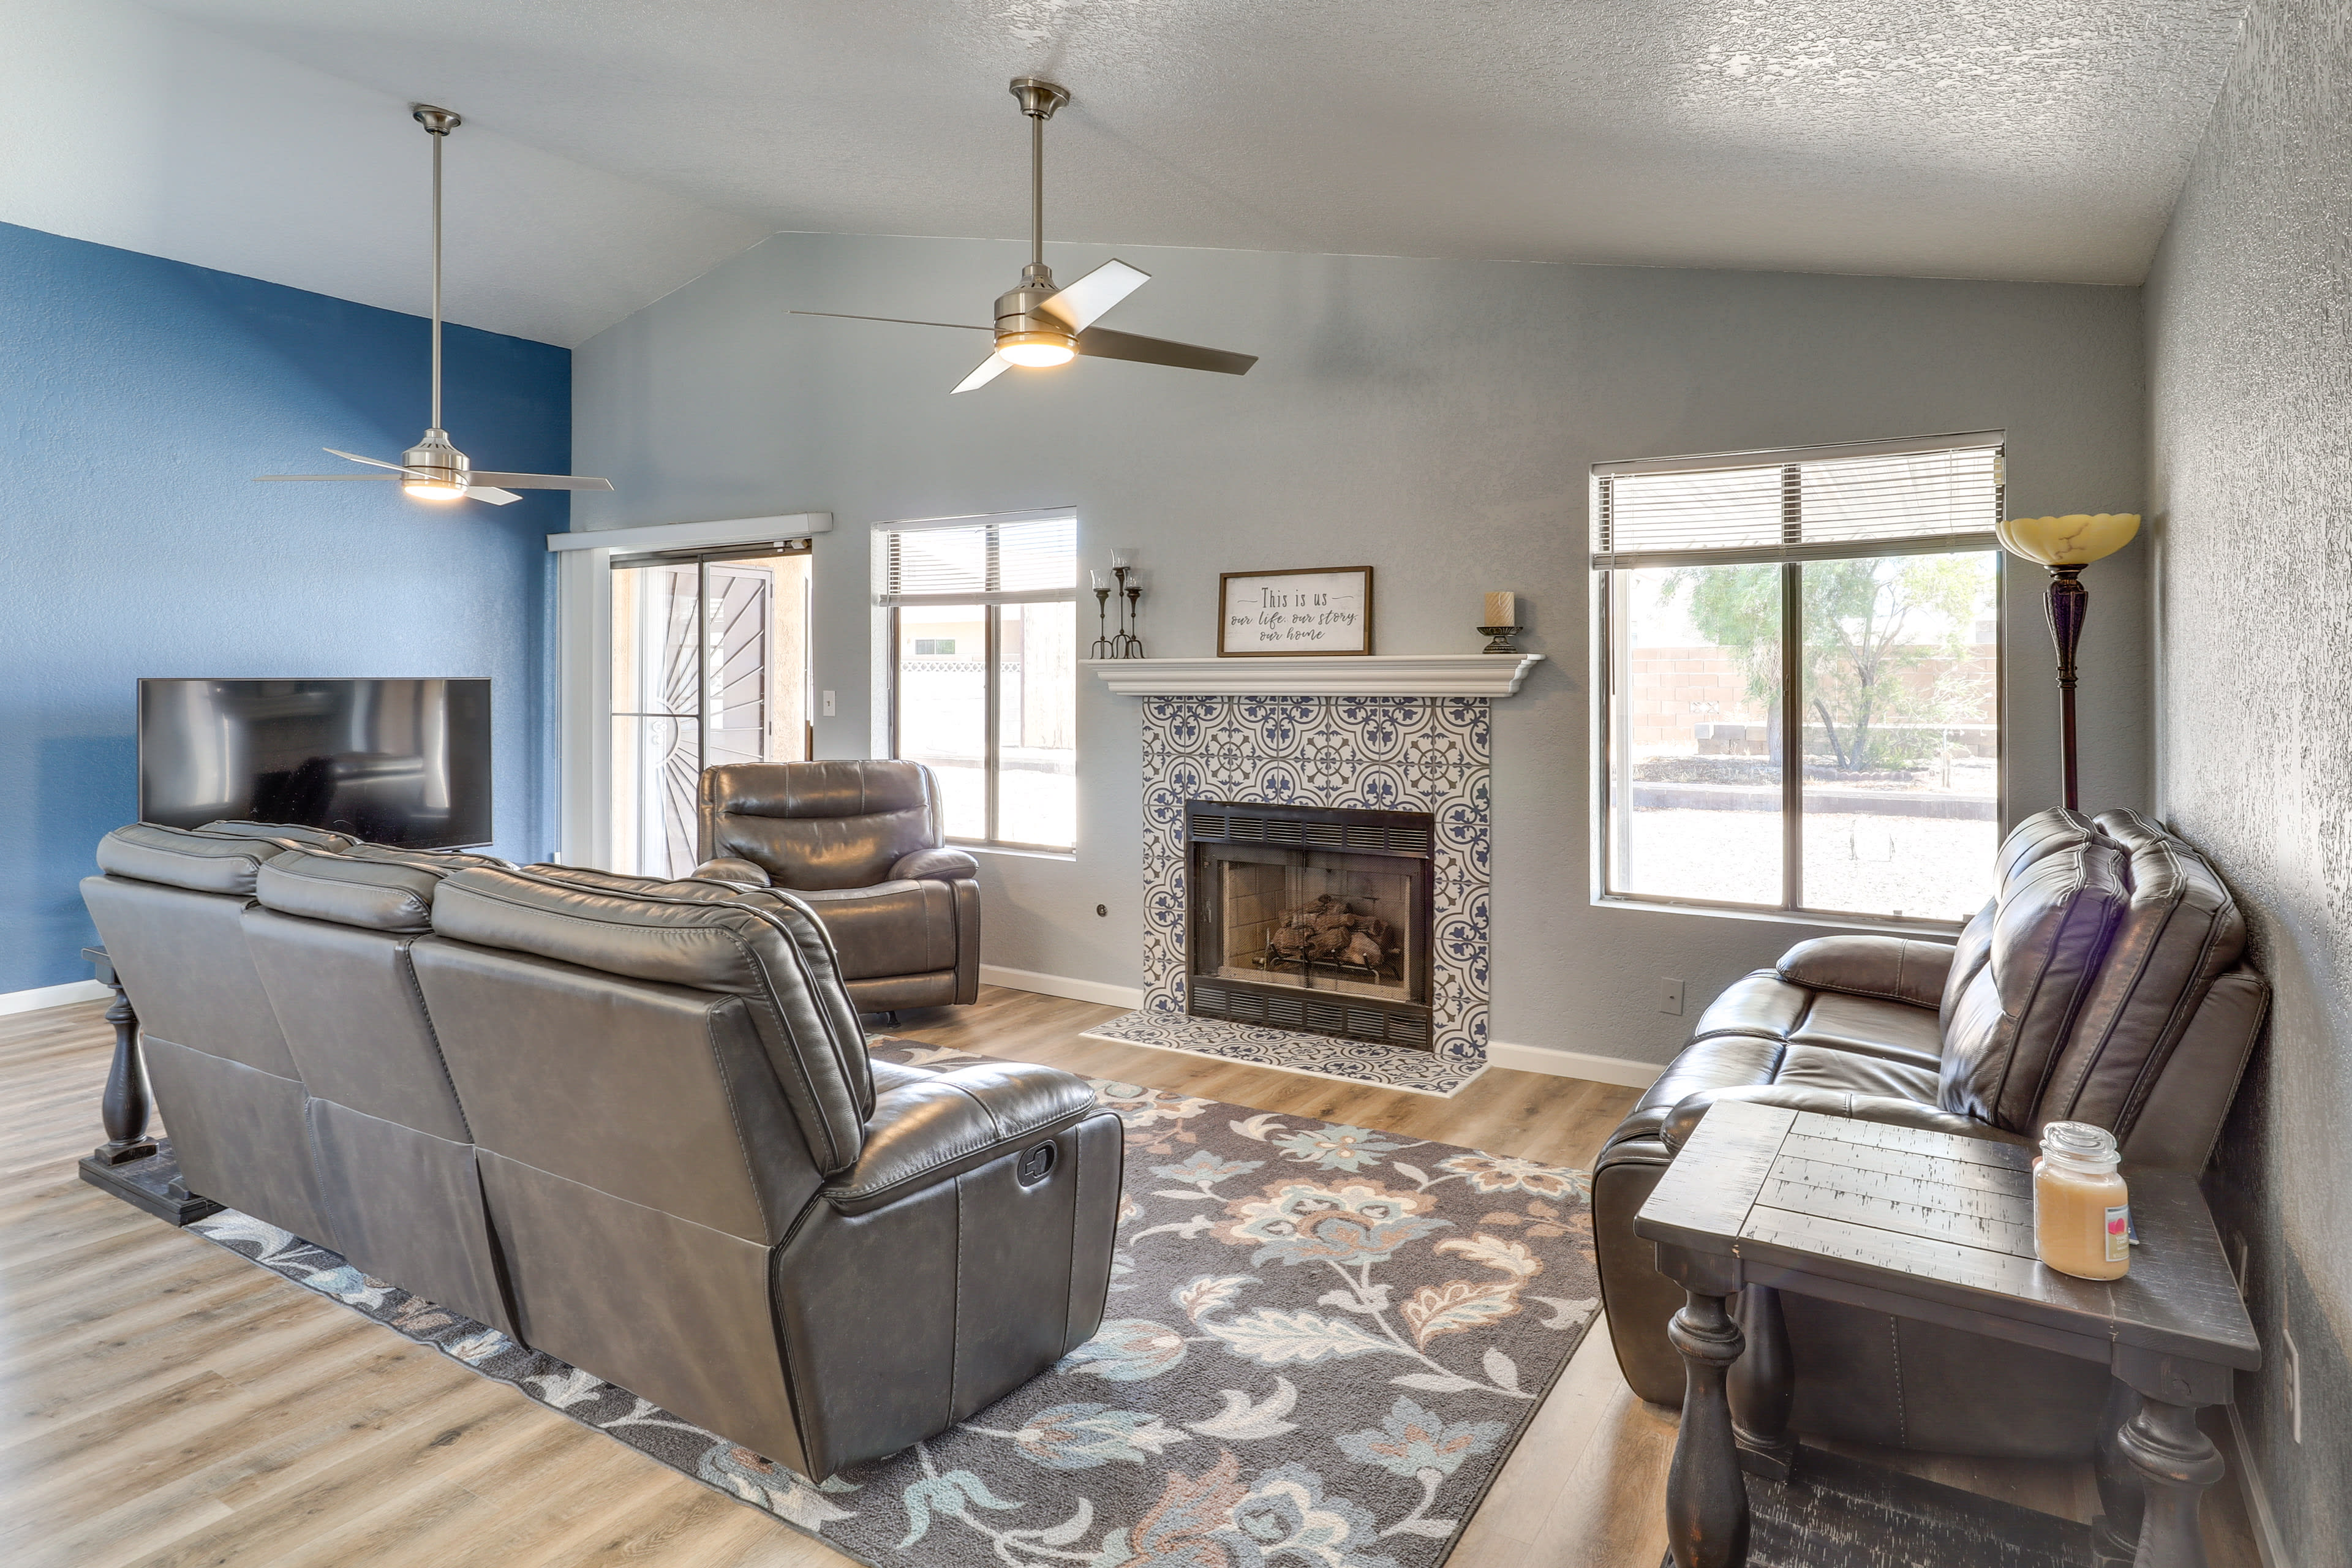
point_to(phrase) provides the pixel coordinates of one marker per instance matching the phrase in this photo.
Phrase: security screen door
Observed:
(710, 667)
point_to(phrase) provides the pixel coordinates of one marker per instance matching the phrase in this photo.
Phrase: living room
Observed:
(1599, 380)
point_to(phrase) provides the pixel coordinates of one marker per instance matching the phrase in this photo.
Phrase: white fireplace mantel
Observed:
(1322, 674)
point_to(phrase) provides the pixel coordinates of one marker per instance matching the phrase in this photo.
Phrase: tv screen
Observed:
(390, 762)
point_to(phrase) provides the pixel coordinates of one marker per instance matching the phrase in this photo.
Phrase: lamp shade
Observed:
(2076, 540)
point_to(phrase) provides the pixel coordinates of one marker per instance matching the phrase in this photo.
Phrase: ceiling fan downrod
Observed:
(446, 472)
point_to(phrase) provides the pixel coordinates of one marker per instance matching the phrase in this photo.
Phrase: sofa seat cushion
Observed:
(1766, 1005)
(893, 928)
(1864, 1025)
(1717, 1063)
(1818, 1067)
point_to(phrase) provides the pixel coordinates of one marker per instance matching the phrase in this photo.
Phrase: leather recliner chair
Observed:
(333, 937)
(863, 843)
(170, 908)
(707, 1192)
(2102, 984)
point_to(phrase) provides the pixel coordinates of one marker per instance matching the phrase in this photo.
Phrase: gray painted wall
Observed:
(1435, 419)
(2249, 312)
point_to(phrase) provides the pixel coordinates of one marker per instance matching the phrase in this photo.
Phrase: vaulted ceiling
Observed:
(614, 148)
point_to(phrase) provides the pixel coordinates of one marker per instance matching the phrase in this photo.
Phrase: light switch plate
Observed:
(828, 706)
(1670, 997)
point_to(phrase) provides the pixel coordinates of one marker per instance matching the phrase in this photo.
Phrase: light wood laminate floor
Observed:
(169, 1402)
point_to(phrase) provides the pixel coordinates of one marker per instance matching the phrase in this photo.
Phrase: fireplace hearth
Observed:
(1314, 918)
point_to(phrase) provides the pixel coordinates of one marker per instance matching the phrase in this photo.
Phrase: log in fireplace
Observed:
(1310, 918)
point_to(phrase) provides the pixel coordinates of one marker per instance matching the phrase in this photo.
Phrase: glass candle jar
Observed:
(2081, 1210)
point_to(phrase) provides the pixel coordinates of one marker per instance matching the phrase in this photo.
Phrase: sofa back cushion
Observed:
(821, 825)
(2055, 916)
(2180, 932)
(368, 886)
(2043, 832)
(775, 957)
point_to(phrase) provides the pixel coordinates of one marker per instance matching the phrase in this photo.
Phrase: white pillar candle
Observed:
(1500, 608)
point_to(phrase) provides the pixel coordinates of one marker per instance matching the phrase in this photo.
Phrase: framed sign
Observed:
(1325, 609)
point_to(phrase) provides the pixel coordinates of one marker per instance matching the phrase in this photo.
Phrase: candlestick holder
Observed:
(1499, 639)
(1102, 647)
(1131, 645)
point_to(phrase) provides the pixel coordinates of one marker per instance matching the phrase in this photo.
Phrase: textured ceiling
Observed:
(637, 141)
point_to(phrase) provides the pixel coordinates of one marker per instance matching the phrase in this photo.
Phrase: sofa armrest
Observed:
(1892, 968)
(729, 868)
(924, 1132)
(941, 865)
(1892, 1110)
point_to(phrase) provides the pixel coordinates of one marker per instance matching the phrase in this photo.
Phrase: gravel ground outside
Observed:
(1920, 868)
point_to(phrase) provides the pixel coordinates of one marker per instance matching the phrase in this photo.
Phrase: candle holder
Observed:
(1134, 617)
(1102, 647)
(1499, 639)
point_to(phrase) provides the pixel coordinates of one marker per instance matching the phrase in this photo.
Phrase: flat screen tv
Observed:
(391, 762)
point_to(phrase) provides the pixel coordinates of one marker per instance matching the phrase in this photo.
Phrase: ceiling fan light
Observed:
(1037, 351)
(432, 489)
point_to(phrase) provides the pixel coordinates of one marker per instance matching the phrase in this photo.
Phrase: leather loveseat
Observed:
(631, 1123)
(865, 845)
(2102, 983)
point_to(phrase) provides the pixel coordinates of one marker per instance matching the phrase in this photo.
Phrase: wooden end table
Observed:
(1938, 1228)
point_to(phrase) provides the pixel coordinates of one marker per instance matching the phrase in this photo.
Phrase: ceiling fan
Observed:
(433, 469)
(1039, 325)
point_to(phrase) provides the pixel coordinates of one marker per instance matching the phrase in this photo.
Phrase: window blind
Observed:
(977, 561)
(1887, 498)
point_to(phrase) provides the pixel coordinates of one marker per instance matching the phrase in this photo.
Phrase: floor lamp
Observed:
(2065, 545)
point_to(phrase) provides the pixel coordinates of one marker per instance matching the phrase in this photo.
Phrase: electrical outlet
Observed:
(2238, 1260)
(829, 706)
(1670, 997)
(2291, 1366)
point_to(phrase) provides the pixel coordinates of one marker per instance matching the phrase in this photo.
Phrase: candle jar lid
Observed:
(2080, 1144)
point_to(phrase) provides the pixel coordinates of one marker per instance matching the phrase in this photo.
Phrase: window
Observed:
(1800, 692)
(983, 621)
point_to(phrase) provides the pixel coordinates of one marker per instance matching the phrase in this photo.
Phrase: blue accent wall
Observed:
(139, 397)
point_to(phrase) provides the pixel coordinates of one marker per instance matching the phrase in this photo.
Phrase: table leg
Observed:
(2176, 1463)
(2114, 1534)
(1763, 1386)
(1706, 1501)
(125, 1107)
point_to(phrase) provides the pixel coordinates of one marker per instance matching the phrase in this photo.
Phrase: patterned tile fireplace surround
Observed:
(1357, 747)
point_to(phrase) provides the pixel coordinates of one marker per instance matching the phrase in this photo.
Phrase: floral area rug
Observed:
(1321, 1343)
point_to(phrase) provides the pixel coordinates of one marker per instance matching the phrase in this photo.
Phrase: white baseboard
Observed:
(1573, 1064)
(1130, 996)
(42, 996)
(2267, 1543)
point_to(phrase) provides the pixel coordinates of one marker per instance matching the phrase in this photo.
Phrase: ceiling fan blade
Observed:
(1103, 344)
(896, 321)
(540, 481)
(990, 369)
(492, 494)
(1081, 304)
(264, 479)
(370, 462)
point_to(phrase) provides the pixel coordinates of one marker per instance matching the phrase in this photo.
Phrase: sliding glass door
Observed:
(710, 667)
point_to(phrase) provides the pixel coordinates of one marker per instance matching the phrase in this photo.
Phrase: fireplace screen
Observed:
(1311, 919)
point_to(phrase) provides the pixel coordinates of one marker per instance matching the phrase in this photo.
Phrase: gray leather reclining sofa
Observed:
(633, 1124)
(2102, 983)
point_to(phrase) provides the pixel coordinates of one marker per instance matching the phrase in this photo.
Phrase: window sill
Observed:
(1882, 925)
(1012, 851)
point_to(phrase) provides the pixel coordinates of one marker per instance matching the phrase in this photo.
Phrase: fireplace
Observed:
(1314, 918)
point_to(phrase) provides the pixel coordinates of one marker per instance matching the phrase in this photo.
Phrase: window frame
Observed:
(991, 602)
(1794, 557)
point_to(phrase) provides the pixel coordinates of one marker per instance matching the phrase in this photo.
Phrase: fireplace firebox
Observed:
(1310, 918)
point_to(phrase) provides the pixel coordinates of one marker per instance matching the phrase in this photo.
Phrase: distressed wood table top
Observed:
(1815, 1201)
